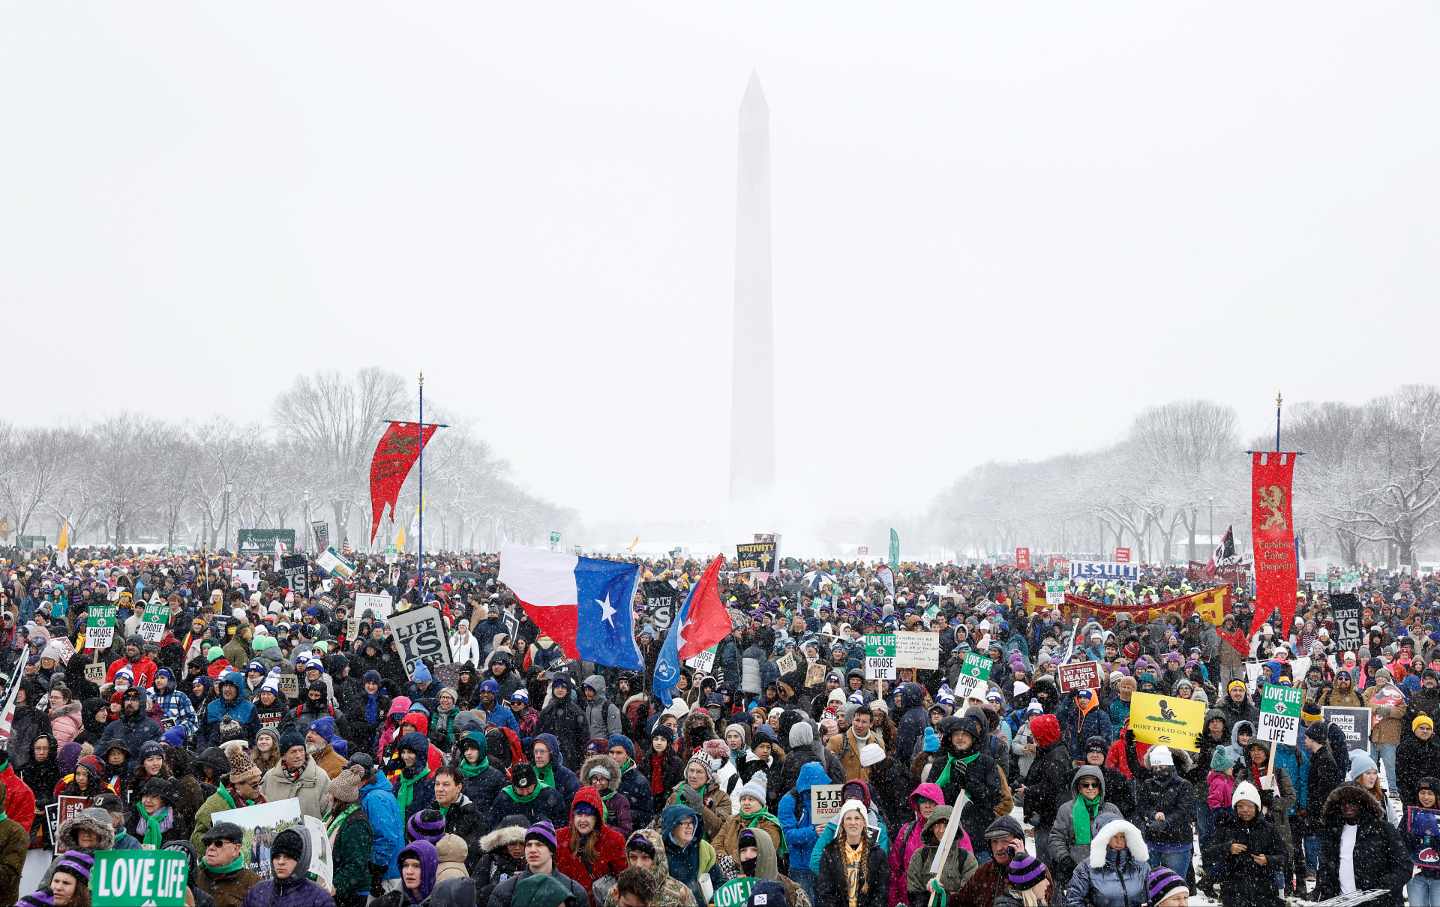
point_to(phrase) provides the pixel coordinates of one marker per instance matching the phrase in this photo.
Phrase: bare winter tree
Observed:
(32, 463)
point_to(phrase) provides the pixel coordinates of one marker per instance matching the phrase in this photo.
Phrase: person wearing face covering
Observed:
(1163, 811)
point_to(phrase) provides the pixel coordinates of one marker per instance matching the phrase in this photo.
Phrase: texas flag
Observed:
(701, 623)
(582, 603)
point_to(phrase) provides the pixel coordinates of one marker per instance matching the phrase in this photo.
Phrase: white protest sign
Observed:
(249, 578)
(378, 603)
(880, 656)
(917, 650)
(1280, 713)
(704, 662)
(420, 634)
(825, 802)
(786, 663)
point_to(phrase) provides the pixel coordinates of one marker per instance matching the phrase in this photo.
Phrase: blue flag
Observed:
(604, 625)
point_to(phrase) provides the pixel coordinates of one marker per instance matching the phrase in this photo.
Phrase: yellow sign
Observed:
(1167, 720)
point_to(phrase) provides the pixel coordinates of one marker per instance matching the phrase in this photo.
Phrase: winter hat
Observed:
(766, 893)
(755, 787)
(1245, 791)
(1045, 729)
(1160, 755)
(871, 754)
(716, 749)
(1222, 760)
(543, 832)
(1422, 719)
(522, 774)
(175, 737)
(288, 844)
(1360, 763)
(1317, 732)
(1024, 872)
(1163, 882)
(1310, 713)
(932, 740)
(624, 743)
(214, 653)
(78, 863)
(425, 825)
(242, 770)
(345, 787)
(540, 891)
(802, 734)
(291, 739)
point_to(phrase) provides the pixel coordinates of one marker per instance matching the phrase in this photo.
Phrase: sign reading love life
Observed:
(974, 674)
(127, 878)
(1280, 713)
(880, 656)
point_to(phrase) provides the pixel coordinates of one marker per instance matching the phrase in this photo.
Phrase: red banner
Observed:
(1022, 558)
(1211, 604)
(397, 451)
(1273, 529)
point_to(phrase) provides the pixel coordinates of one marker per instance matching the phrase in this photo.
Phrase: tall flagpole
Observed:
(1278, 401)
(420, 550)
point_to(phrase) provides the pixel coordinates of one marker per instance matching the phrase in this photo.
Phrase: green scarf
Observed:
(755, 818)
(546, 774)
(1082, 815)
(339, 818)
(153, 833)
(950, 760)
(470, 769)
(626, 765)
(406, 793)
(233, 866)
(509, 791)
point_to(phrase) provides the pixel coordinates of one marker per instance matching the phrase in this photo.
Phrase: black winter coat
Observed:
(564, 719)
(832, 888)
(1415, 759)
(1381, 857)
(1171, 796)
(1243, 882)
(1047, 785)
(1324, 777)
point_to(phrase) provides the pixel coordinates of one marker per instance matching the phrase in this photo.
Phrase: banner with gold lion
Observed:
(1211, 604)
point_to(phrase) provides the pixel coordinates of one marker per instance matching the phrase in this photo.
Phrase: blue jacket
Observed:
(501, 716)
(794, 814)
(378, 801)
(1076, 730)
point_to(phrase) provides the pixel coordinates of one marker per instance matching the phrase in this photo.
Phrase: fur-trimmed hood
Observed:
(1350, 792)
(1100, 843)
(610, 765)
(502, 836)
(93, 819)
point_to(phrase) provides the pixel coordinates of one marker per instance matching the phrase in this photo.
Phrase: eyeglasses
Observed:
(1089, 785)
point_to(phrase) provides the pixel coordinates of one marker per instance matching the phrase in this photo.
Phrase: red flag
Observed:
(1273, 530)
(397, 451)
(705, 620)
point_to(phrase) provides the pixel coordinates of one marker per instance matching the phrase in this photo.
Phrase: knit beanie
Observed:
(543, 832)
(78, 863)
(1317, 732)
(242, 770)
(1222, 760)
(755, 787)
(345, 787)
(291, 739)
(288, 844)
(1024, 872)
(871, 754)
(1163, 882)
(425, 825)
(214, 653)
(1422, 719)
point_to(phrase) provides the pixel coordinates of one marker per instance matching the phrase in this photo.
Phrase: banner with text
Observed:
(1273, 531)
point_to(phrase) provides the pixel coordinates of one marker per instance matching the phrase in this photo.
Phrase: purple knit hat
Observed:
(37, 899)
(78, 863)
(426, 825)
(1162, 882)
(1024, 871)
(543, 832)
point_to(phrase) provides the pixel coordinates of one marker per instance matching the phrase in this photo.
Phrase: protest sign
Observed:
(52, 820)
(879, 656)
(126, 878)
(289, 685)
(322, 857)
(1423, 826)
(659, 603)
(755, 557)
(1355, 722)
(321, 530)
(250, 579)
(99, 626)
(67, 806)
(1122, 555)
(334, 564)
(420, 635)
(735, 892)
(1280, 713)
(974, 674)
(1345, 608)
(352, 628)
(1022, 558)
(825, 802)
(1388, 695)
(786, 663)
(262, 822)
(1104, 571)
(152, 622)
(1167, 720)
(1083, 675)
(254, 542)
(917, 650)
(1054, 592)
(704, 662)
(815, 674)
(95, 672)
(296, 570)
(378, 604)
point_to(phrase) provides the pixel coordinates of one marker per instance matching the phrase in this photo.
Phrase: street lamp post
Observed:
(225, 541)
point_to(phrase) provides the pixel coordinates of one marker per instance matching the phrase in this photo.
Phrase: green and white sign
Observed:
(254, 542)
(734, 892)
(139, 878)
(99, 626)
(880, 656)
(974, 674)
(1280, 713)
(152, 622)
(1054, 592)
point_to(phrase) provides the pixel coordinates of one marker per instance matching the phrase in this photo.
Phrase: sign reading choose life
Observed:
(1280, 713)
(1167, 720)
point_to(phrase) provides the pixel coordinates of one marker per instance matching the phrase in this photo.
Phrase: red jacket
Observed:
(20, 800)
(144, 670)
(609, 848)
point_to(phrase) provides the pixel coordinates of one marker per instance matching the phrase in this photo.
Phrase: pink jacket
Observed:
(66, 723)
(909, 839)
(1222, 789)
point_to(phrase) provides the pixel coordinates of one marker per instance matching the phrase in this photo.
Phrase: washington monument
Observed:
(752, 402)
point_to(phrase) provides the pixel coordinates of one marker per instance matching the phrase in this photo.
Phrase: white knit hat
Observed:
(871, 754)
(1245, 791)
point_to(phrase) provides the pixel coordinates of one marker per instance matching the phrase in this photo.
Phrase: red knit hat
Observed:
(1045, 729)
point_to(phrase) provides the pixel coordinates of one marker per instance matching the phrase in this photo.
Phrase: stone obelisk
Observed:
(752, 402)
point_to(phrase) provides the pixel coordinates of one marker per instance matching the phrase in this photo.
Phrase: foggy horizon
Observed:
(997, 236)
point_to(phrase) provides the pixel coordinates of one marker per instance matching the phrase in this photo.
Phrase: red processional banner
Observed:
(397, 451)
(1273, 529)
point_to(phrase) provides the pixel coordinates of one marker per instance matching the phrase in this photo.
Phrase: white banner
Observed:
(380, 603)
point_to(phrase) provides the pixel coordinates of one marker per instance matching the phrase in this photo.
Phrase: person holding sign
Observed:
(287, 885)
(956, 869)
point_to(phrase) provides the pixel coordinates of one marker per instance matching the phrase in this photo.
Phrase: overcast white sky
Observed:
(999, 230)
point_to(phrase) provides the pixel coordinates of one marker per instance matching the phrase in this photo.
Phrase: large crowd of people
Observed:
(508, 775)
